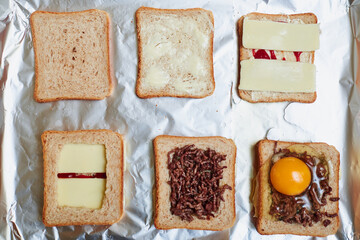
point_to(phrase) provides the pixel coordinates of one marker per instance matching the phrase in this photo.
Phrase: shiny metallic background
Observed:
(334, 118)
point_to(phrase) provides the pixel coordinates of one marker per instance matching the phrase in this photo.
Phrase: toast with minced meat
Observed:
(266, 223)
(225, 216)
(306, 57)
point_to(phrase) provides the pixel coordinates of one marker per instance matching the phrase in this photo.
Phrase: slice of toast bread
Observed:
(112, 204)
(307, 57)
(163, 218)
(72, 55)
(175, 53)
(266, 223)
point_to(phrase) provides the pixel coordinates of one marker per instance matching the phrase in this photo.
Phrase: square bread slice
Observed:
(306, 57)
(175, 52)
(266, 223)
(72, 55)
(225, 216)
(111, 209)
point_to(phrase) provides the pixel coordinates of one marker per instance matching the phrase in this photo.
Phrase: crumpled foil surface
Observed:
(334, 118)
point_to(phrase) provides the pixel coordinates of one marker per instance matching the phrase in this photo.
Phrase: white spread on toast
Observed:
(175, 54)
(81, 192)
(82, 158)
(275, 75)
(156, 77)
(280, 36)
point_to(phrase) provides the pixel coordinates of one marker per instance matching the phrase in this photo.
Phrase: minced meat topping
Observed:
(195, 182)
(305, 208)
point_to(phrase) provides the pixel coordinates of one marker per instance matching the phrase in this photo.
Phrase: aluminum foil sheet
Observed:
(334, 118)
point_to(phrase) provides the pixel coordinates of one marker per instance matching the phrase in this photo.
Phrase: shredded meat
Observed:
(331, 215)
(320, 170)
(292, 209)
(326, 222)
(195, 182)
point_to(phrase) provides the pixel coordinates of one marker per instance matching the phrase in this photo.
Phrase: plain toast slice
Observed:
(72, 55)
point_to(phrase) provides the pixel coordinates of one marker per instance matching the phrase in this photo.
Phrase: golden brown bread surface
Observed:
(263, 96)
(225, 217)
(266, 223)
(175, 53)
(72, 55)
(112, 205)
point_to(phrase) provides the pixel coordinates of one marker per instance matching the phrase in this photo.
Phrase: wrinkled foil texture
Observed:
(334, 118)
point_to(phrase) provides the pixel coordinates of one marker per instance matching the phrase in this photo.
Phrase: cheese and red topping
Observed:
(283, 44)
(81, 175)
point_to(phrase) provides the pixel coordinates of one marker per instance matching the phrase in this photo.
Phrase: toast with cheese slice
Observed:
(255, 96)
(83, 177)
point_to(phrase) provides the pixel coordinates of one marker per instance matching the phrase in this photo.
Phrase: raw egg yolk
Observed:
(290, 176)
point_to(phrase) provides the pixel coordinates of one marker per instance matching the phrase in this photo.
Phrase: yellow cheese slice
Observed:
(82, 158)
(280, 36)
(278, 76)
(81, 192)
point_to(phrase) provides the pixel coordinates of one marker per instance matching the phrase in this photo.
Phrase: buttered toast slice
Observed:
(175, 52)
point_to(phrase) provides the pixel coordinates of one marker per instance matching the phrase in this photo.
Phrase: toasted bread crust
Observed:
(37, 63)
(112, 209)
(265, 223)
(162, 203)
(262, 96)
(150, 94)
